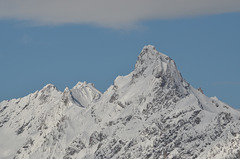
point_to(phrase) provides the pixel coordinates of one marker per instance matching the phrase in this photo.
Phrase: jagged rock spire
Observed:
(153, 63)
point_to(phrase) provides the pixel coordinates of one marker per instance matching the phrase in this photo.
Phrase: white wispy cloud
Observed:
(110, 13)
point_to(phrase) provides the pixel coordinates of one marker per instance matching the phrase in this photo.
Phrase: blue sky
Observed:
(35, 51)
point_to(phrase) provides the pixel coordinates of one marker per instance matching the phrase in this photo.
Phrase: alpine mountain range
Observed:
(150, 113)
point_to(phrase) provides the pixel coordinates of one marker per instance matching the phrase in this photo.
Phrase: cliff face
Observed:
(150, 113)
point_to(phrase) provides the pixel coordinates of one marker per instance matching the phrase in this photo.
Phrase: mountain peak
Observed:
(151, 47)
(84, 93)
(81, 85)
(49, 88)
(151, 62)
(149, 52)
(154, 73)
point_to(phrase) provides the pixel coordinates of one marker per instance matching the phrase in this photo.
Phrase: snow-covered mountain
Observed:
(150, 113)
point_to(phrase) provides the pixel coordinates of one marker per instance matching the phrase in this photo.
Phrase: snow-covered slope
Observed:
(40, 119)
(150, 113)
